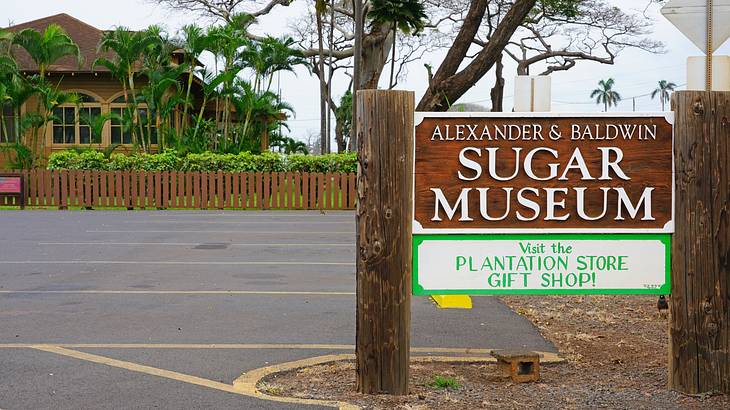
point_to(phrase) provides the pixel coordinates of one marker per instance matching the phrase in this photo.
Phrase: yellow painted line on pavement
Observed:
(545, 357)
(242, 390)
(179, 292)
(248, 381)
(139, 368)
(452, 301)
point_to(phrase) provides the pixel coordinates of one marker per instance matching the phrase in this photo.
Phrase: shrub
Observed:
(85, 160)
(171, 160)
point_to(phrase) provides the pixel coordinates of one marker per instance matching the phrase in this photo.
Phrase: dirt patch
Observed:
(616, 351)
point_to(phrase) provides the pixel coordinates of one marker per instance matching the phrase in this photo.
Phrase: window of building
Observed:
(119, 134)
(148, 125)
(72, 124)
(87, 118)
(7, 125)
(64, 125)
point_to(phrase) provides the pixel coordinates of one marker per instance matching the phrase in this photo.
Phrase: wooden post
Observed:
(384, 215)
(700, 304)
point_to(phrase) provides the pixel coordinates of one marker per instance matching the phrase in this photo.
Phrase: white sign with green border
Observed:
(541, 264)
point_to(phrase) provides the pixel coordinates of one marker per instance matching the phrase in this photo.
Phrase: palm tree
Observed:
(408, 16)
(194, 43)
(269, 56)
(17, 91)
(48, 47)
(129, 48)
(663, 91)
(44, 49)
(292, 146)
(605, 94)
(227, 43)
(50, 98)
(261, 111)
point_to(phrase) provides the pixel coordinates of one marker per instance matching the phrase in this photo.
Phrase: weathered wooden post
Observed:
(384, 214)
(700, 304)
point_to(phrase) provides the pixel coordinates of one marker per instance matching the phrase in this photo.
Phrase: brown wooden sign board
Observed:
(12, 186)
(543, 173)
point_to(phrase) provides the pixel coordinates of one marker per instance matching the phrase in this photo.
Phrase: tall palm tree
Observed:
(227, 43)
(129, 48)
(47, 47)
(408, 16)
(260, 109)
(50, 98)
(194, 43)
(663, 91)
(605, 94)
(268, 57)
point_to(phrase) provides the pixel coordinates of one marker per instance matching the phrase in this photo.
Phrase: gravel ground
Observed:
(616, 351)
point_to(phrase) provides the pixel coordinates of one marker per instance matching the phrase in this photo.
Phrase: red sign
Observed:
(10, 185)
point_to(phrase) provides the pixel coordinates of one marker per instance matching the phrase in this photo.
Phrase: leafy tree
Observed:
(226, 43)
(289, 145)
(47, 47)
(605, 94)
(269, 56)
(194, 43)
(407, 16)
(44, 48)
(129, 48)
(663, 90)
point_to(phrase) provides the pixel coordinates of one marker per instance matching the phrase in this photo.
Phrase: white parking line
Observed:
(82, 262)
(277, 222)
(176, 292)
(238, 231)
(311, 244)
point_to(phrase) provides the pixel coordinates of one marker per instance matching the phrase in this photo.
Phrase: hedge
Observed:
(169, 160)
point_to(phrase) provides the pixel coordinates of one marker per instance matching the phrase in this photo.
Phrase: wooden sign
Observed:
(11, 185)
(542, 203)
(542, 173)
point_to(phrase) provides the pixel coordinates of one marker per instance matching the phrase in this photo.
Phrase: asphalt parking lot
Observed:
(166, 309)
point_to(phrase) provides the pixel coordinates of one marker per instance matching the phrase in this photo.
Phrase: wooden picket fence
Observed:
(188, 190)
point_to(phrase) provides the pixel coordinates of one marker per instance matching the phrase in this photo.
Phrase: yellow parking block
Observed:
(452, 301)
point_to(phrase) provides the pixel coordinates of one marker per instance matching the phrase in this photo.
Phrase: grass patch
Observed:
(444, 382)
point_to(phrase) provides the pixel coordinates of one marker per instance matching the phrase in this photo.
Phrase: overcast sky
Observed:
(636, 73)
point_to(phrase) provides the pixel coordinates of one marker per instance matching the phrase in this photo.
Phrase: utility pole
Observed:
(700, 308)
(384, 254)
